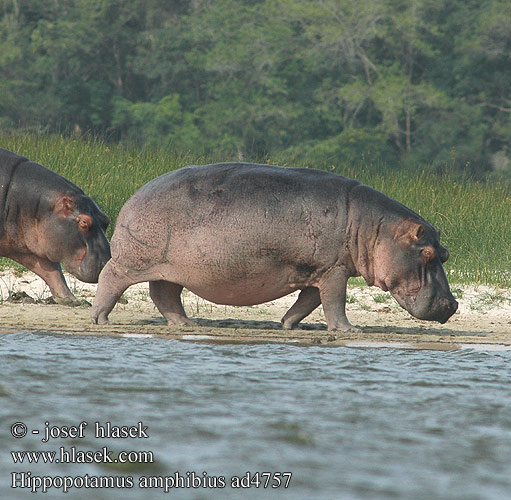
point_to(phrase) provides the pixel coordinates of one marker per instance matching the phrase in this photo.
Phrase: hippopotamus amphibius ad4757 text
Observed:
(244, 234)
(46, 220)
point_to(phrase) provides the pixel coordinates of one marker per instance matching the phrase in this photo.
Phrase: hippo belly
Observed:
(237, 289)
(241, 293)
(244, 270)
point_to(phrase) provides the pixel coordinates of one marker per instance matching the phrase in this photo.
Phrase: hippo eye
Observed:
(84, 223)
(427, 254)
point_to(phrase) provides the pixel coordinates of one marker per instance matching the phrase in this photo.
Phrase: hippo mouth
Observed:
(87, 266)
(427, 306)
(87, 276)
(83, 274)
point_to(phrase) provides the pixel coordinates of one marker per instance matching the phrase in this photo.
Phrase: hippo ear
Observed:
(419, 231)
(410, 230)
(65, 205)
(84, 223)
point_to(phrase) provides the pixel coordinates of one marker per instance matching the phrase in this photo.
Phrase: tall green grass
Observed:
(108, 173)
(474, 217)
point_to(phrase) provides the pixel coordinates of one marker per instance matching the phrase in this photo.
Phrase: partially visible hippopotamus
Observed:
(244, 234)
(46, 220)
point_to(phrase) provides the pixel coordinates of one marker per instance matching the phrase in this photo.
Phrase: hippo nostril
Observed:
(451, 304)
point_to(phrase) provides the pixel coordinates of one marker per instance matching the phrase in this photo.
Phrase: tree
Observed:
(152, 124)
(425, 82)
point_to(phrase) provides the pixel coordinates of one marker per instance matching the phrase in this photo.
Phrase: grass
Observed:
(381, 298)
(493, 298)
(109, 174)
(474, 217)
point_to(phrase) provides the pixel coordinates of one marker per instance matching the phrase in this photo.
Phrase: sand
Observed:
(482, 321)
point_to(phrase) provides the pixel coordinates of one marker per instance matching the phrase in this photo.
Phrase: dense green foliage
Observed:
(474, 217)
(326, 82)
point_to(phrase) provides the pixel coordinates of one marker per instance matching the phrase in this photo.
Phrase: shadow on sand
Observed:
(275, 326)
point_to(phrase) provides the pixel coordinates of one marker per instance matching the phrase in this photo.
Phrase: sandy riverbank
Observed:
(484, 317)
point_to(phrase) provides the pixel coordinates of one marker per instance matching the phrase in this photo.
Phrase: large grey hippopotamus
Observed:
(46, 220)
(244, 234)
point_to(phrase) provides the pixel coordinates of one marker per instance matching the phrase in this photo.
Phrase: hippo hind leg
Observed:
(111, 285)
(167, 298)
(307, 301)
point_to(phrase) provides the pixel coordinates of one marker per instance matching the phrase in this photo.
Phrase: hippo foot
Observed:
(349, 328)
(180, 321)
(100, 320)
(288, 325)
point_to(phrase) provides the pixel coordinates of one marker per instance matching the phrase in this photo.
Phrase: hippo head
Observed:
(74, 235)
(408, 263)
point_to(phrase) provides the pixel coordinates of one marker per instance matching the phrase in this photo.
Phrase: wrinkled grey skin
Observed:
(243, 234)
(46, 220)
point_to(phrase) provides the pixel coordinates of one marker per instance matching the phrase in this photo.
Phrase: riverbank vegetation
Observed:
(474, 216)
(410, 97)
(409, 82)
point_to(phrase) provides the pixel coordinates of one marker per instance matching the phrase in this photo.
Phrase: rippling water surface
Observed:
(348, 423)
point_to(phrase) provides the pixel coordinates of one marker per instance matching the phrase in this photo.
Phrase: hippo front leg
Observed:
(332, 291)
(51, 273)
(111, 285)
(167, 298)
(307, 301)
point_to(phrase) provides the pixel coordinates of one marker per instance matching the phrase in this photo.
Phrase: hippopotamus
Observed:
(46, 220)
(244, 234)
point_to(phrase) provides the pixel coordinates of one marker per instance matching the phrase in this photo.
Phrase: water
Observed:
(348, 423)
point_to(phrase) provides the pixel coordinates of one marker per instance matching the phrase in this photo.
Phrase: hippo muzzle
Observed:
(89, 274)
(432, 300)
(91, 260)
(427, 305)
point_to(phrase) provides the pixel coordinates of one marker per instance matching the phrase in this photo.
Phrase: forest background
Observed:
(325, 82)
